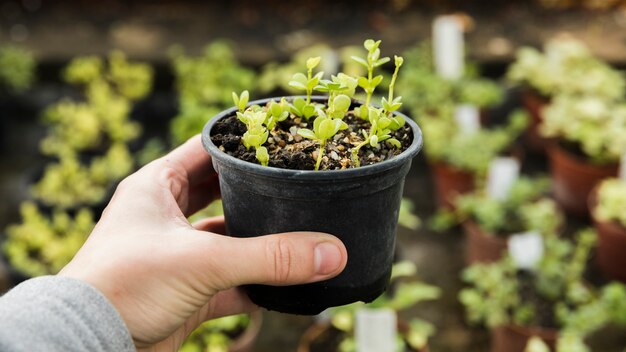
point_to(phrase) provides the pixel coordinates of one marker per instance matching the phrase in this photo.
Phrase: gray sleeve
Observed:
(54, 313)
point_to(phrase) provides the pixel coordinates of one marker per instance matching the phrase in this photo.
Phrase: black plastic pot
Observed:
(360, 206)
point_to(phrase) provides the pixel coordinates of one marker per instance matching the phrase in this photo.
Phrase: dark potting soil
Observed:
(543, 308)
(288, 150)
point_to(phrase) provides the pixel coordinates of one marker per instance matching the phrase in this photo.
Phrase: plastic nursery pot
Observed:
(360, 206)
(573, 178)
(611, 248)
(323, 337)
(480, 246)
(534, 103)
(450, 182)
(513, 338)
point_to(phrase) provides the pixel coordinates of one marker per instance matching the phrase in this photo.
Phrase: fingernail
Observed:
(327, 258)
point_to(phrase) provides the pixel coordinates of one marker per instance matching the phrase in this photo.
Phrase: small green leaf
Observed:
(342, 102)
(306, 133)
(275, 109)
(363, 82)
(383, 123)
(398, 60)
(376, 80)
(363, 112)
(394, 142)
(312, 62)
(262, 155)
(360, 60)
(381, 62)
(326, 129)
(297, 85)
(243, 100)
(308, 111)
(374, 141)
(371, 45)
(317, 122)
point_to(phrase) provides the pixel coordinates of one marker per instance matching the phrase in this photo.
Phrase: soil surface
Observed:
(289, 150)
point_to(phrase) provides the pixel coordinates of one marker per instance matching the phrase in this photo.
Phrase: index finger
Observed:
(193, 159)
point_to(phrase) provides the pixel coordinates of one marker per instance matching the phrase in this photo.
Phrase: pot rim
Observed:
(246, 166)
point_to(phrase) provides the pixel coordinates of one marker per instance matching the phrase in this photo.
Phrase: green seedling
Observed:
(324, 128)
(276, 112)
(372, 61)
(257, 133)
(308, 82)
(303, 109)
(338, 107)
(393, 104)
(241, 100)
(379, 132)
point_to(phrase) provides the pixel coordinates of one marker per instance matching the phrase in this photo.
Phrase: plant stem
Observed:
(355, 153)
(320, 154)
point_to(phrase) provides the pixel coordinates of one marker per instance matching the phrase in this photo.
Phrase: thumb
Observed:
(281, 259)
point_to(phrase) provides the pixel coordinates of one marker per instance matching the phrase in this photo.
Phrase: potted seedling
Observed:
(336, 331)
(460, 160)
(318, 163)
(235, 333)
(607, 308)
(519, 298)
(565, 66)
(607, 204)
(590, 134)
(42, 245)
(489, 222)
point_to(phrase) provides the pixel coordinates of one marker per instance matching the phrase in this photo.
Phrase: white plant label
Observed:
(622, 167)
(467, 118)
(375, 330)
(503, 172)
(448, 47)
(526, 249)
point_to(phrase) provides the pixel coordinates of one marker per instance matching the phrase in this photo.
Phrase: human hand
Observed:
(165, 276)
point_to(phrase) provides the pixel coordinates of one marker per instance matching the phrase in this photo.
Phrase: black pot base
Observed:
(309, 299)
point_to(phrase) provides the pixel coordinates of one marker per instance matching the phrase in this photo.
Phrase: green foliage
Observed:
(407, 216)
(525, 209)
(210, 78)
(595, 123)
(215, 335)
(379, 132)
(40, 245)
(425, 92)
(611, 201)
(408, 292)
(470, 152)
(371, 62)
(17, 68)
(205, 85)
(495, 296)
(256, 134)
(129, 80)
(68, 184)
(566, 67)
(103, 117)
(324, 128)
(260, 121)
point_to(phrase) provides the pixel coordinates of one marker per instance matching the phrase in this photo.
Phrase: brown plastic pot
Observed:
(481, 246)
(513, 338)
(245, 341)
(611, 248)
(325, 330)
(534, 103)
(573, 178)
(450, 182)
